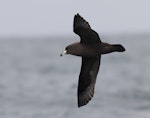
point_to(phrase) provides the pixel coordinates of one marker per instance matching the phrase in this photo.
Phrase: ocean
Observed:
(35, 82)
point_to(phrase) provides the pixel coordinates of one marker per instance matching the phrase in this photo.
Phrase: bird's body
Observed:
(86, 50)
(90, 48)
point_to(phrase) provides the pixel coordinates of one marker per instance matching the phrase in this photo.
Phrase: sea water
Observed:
(35, 82)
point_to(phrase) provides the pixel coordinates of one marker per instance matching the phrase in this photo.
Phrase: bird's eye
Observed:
(66, 48)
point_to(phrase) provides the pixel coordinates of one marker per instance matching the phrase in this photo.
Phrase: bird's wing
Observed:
(83, 29)
(87, 79)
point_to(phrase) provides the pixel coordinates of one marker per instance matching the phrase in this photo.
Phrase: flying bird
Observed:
(90, 48)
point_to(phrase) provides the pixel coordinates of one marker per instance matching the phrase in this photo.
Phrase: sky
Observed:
(55, 17)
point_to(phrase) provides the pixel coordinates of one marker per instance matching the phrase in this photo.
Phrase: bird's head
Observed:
(68, 50)
(71, 49)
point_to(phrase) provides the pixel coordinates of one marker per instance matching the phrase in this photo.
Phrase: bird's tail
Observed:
(118, 48)
(108, 48)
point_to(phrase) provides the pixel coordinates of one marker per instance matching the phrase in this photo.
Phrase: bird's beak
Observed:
(64, 52)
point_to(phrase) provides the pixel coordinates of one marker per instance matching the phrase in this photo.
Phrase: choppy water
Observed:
(36, 83)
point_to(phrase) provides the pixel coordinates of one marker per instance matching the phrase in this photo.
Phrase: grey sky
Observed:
(55, 17)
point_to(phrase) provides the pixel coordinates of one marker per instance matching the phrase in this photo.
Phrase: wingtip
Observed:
(82, 104)
(79, 106)
(77, 15)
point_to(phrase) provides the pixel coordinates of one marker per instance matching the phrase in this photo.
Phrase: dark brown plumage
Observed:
(90, 48)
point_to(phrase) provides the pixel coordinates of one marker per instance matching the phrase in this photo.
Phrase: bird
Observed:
(90, 49)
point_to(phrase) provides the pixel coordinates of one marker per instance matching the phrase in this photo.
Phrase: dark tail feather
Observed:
(108, 48)
(118, 48)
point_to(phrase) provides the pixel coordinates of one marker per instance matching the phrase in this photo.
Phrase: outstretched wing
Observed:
(87, 79)
(83, 29)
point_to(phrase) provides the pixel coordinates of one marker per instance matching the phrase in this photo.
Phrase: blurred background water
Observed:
(35, 82)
